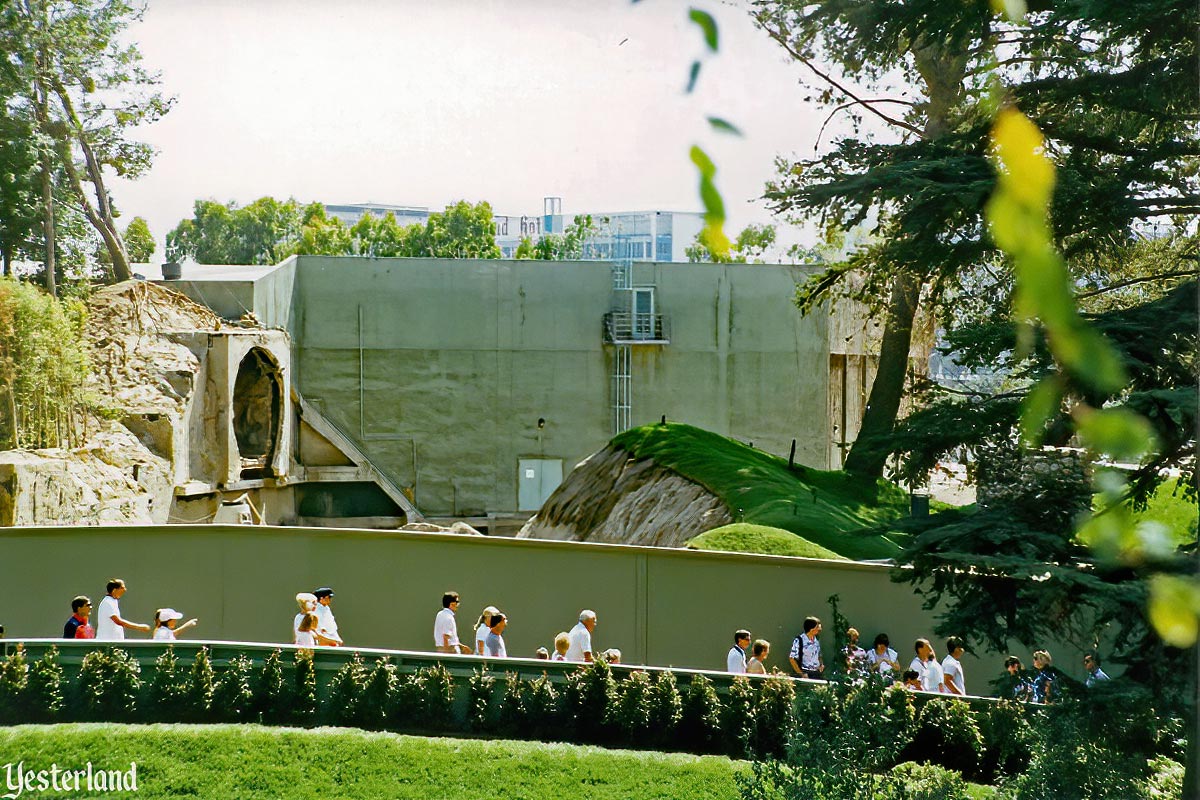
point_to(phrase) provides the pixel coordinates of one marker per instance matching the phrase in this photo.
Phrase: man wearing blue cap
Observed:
(327, 629)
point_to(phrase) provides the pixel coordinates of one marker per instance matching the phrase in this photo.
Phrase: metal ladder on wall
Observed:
(622, 374)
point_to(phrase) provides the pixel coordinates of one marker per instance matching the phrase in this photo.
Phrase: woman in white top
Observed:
(306, 633)
(758, 655)
(164, 624)
(483, 626)
(882, 657)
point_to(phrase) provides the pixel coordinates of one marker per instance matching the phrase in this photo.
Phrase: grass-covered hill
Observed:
(256, 762)
(827, 512)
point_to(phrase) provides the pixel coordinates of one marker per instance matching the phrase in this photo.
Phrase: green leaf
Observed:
(1175, 609)
(707, 24)
(1090, 357)
(1115, 432)
(703, 162)
(1037, 408)
(723, 126)
(693, 74)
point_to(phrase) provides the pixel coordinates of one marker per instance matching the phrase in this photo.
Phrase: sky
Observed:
(420, 103)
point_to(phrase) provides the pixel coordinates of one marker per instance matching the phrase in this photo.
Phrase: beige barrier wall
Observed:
(661, 607)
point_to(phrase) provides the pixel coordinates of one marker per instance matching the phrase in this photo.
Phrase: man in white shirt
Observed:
(953, 681)
(581, 637)
(445, 628)
(735, 662)
(110, 625)
(327, 629)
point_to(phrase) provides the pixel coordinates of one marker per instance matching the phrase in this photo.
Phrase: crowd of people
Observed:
(924, 673)
(316, 626)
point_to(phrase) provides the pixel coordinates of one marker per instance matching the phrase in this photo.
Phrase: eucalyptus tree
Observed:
(86, 89)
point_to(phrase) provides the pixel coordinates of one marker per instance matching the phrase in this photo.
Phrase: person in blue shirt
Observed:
(1044, 690)
(1091, 662)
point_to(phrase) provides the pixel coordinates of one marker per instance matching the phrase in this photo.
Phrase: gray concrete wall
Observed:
(441, 369)
(659, 607)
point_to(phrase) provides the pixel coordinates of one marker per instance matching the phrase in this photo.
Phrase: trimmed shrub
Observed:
(631, 712)
(947, 735)
(14, 681)
(378, 695)
(233, 700)
(436, 696)
(271, 695)
(700, 720)
(165, 694)
(590, 695)
(542, 710)
(512, 711)
(198, 695)
(738, 723)
(773, 717)
(44, 691)
(481, 687)
(345, 692)
(666, 709)
(304, 699)
(1007, 739)
(109, 683)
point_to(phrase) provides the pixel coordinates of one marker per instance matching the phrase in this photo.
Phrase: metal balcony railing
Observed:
(624, 327)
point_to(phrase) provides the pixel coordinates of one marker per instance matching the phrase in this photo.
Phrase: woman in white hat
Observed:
(164, 624)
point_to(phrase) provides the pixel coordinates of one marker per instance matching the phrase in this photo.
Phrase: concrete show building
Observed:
(475, 385)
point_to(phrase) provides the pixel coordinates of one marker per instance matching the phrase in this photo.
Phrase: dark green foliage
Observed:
(774, 719)
(1007, 739)
(201, 684)
(45, 688)
(14, 680)
(165, 695)
(481, 688)
(346, 691)
(304, 697)
(271, 695)
(666, 709)
(948, 736)
(436, 691)
(233, 700)
(631, 714)
(378, 696)
(738, 718)
(700, 723)
(530, 709)
(512, 706)
(109, 683)
(589, 698)
(405, 711)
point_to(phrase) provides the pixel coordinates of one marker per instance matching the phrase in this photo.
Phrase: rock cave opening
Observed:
(257, 412)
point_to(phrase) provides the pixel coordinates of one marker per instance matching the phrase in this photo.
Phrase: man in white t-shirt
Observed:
(735, 661)
(581, 637)
(110, 625)
(953, 681)
(926, 665)
(445, 628)
(327, 628)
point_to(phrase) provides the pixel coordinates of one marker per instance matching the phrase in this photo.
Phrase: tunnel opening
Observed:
(257, 413)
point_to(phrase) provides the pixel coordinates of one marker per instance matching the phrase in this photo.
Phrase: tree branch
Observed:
(844, 106)
(782, 41)
(1133, 281)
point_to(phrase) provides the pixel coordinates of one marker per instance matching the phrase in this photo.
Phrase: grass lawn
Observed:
(250, 761)
(833, 510)
(744, 537)
(1169, 506)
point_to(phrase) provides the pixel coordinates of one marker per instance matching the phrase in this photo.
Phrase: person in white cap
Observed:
(164, 624)
(327, 628)
(308, 605)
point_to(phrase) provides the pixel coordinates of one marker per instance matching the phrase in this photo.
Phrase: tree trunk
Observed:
(8, 256)
(48, 224)
(868, 454)
(942, 72)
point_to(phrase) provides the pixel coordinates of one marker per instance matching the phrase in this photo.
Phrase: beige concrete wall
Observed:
(660, 607)
(441, 369)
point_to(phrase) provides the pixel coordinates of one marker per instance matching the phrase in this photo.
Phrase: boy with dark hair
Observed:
(77, 626)
(735, 660)
(953, 681)
(445, 627)
(805, 655)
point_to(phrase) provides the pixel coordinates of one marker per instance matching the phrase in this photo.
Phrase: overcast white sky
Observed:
(424, 103)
